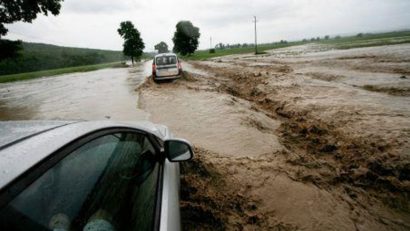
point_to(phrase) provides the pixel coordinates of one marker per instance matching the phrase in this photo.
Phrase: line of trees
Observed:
(327, 37)
(185, 37)
(185, 40)
(221, 46)
(36, 57)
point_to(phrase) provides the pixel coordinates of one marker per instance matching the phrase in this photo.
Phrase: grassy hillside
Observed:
(346, 42)
(37, 57)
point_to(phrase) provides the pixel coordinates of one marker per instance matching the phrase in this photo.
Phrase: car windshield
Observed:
(166, 60)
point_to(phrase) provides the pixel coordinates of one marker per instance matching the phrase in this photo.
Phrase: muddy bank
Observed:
(306, 145)
(205, 206)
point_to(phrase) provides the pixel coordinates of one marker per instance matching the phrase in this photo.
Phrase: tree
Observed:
(25, 10)
(186, 38)
(327, 37)
(133, 44)
(161, 47)
(22, 10)
(9, 49)
(220, 46)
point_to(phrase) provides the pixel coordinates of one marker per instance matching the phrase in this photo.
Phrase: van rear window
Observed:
(166, 60)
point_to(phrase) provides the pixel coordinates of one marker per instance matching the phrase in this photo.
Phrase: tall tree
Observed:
(186, 38)
(22, 10)
(161, 47)
(133, 44)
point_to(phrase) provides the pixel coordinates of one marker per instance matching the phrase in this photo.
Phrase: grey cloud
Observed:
(94, 22)
(235, 12)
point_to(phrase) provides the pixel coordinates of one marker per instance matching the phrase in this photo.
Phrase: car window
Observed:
(166, 60)
(106, 184)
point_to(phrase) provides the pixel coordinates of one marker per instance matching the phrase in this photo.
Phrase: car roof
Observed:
(33, 141)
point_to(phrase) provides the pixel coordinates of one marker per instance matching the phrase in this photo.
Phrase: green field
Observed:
(368, 40)
(347, 42)
(204, 54)
(45, 73)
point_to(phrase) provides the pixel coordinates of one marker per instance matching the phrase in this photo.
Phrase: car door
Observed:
(105, 181)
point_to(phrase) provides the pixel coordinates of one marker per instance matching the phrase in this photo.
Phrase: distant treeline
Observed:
(36, 57)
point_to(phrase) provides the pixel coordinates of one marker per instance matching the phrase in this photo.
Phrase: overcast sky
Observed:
(94, 23)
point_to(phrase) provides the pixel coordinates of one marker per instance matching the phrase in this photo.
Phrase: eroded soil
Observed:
(299, 138)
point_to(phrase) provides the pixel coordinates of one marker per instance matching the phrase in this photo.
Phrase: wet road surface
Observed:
(96, 95)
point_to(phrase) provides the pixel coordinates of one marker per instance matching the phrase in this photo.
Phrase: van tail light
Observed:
(153, 68)
(179, 66)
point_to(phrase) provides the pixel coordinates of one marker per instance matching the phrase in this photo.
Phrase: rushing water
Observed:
(102, 94)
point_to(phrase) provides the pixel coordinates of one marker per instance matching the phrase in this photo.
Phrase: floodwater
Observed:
(95, 95)
(260, 125)
(191, 69)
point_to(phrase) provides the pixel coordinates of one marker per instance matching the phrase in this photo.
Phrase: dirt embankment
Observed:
(293, 139)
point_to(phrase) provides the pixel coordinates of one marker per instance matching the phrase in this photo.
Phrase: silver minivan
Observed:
(166, 66)
(97, 175)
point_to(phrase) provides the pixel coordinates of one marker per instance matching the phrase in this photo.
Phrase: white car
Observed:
(166, 66)
(101, 175)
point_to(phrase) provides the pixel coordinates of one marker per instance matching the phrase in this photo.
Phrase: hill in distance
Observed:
(38, 56)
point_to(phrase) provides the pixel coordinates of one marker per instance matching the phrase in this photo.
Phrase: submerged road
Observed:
(95, 95)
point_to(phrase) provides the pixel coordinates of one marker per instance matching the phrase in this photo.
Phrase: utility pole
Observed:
(210, 42)
(256, 40)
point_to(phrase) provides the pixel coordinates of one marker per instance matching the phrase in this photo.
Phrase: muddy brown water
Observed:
(254, 171)
(102, 94)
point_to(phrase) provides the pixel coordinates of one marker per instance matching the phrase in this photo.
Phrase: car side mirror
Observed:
(178, 150)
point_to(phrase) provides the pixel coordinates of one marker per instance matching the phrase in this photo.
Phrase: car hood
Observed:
(29, 146)
(14, 131)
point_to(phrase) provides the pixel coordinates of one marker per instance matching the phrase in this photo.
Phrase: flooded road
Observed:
(96, 95)
(300, 138)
